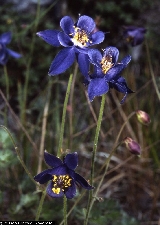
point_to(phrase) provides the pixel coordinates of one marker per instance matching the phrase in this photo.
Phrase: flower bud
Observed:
(132, 146)
(143, 117)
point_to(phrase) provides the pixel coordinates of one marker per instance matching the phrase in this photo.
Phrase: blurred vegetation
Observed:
(133, 197)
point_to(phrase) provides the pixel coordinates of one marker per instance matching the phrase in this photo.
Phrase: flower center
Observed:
(80, 37)
(106, 63)
(60, 183)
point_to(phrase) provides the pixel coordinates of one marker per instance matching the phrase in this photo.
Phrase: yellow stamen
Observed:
(80, 37)
(106, 63)
(61, 183)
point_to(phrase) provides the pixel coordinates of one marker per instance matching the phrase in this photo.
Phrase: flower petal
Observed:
(114, 72)
(83, 62)
(59, 170)
(71, 160)
(113, 51)
(71, 192)
(63, 60)
(6, 38)
(44, 176)
(50, 36)
(95, 57)
(97, 87)
(52, 160)
(126, 60)
(67, 24)
(64, 39)
(97, 37)
(51, 193)
(13, 53)
(78, 178)
(86, 23)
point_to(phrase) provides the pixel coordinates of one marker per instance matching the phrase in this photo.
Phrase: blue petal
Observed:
(86, 23)
(44, 176)
(63, 60)
(71, 160)
(71, 192)
(97, 37)
(6, 38)
(83, 62)
(78, 178)
(121, 86)
(51, 193)
(113, 51)
(114, 72)
(59, 170)
(97, 87)
(13, 53)
(52, 160)
(126, 60)
(64, 39)
(50, 36)
(67, 24)
(95, 57)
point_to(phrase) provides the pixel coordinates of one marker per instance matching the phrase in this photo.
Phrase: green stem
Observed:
(18, 155)
(116, 145)
(7, 93)
(7, 82)
(64, 115)
(94, 154)
(40, 205)
(29, 64)
(65, 210)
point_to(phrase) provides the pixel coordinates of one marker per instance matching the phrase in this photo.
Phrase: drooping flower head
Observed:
(134, 35)
(62, 176)
(106, 73)
(75, 38)
(4, 51)
(132, 146)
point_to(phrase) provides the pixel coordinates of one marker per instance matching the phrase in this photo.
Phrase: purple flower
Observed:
(62, 175)
(132, 146)
(75, 38)
(4, 51)
(134, 35)
(106, 73)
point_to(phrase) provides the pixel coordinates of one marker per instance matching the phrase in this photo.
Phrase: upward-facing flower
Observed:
(4, 51)
(75, 38)
(62, 176)
(106, 73)
(134, 35)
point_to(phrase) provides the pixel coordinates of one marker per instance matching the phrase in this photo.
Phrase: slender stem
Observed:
(65, 210)
(40, 205)
(116, 145)
(94, 155)
(7, 82)
(96, 137)
(44, 127)
(29, 64)
(64, 115)
(19, 156)
(151, 71)
(7, 93)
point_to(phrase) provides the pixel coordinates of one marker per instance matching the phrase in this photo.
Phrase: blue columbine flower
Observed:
(134, 35)
(4, 51)
(75, 38)
(106, 73)
(62, 176)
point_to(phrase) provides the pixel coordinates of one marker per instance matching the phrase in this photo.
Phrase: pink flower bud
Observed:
(132, 146)
(143, 117)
